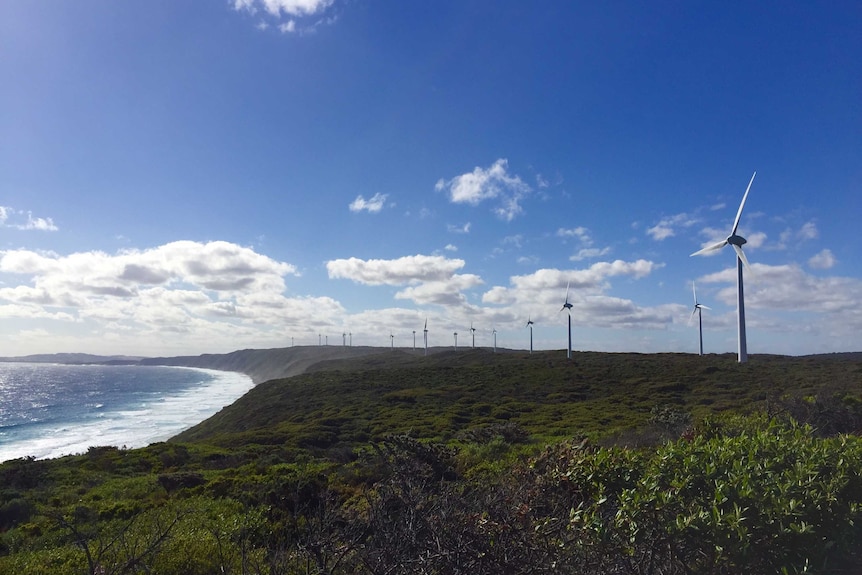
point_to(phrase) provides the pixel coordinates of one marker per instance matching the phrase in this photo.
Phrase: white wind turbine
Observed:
(473, 333)
(494, 332)
(568, 307)
(697, 310)
(530, 325)
(425, 333)
(736, 242)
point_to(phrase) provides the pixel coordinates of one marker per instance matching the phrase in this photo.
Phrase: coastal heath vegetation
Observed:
(473, 462)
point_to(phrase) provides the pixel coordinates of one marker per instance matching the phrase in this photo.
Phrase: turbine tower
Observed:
(736, 242)
(568, 307)
(456, 340)
(391, 341)
(495, 339)
(697, 310)
(343, 339)
(530, 325)
(414, 340)
(425, 333)
(473, 333)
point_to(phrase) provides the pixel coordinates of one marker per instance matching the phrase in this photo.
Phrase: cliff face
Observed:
(265, 364)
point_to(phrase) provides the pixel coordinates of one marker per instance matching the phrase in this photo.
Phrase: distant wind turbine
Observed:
(343, 339)
(697, 310)
(392, 341)
(425, 333)
(568, 307)
(456, 340)
(414, 340)
(350, 338)
(495, 339)
(530, 325)
(736, 242)
(473, 333)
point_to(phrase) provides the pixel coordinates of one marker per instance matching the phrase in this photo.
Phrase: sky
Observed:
(182, 177)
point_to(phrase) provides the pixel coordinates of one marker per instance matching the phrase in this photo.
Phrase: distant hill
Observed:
(73, 358)
(265, 364)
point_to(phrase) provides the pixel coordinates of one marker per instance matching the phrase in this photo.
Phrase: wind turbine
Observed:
(697, 310)
(414, 340)
(473, 333)
(530, 325)
(350, 338)
(456, 340)
(495, 339)
(736, 242)
(343, 339)
(568, 307)
(391, 341)
(425, 333)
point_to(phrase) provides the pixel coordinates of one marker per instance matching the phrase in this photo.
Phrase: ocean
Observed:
(50, 410)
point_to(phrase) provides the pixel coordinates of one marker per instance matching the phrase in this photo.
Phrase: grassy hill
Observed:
(351, 402)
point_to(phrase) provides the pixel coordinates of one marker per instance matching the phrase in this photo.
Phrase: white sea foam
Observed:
(150, 422)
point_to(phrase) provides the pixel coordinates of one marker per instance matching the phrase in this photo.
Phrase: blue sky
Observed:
(187, 177)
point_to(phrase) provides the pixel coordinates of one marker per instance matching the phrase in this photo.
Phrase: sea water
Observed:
(50, 410)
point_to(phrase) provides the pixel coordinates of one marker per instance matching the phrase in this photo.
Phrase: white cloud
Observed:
(372, 205)
(542, 292)
(401, 271)
(823, 260)
(451, 248)
(142, 296)
(580, 232)
(292, 7)
(485, 184)
(588, 253)
(301, 16)
(446, 293)
(464, 229)
(666, 227)
(808, 231)
(12, 218)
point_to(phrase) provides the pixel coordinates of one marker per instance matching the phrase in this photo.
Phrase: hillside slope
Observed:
(349, 402)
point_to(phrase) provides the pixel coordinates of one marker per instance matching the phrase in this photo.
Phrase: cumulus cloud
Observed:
(180, 287)
(401, 271)
(291, 7)
(288, 16)
(583, 235)
(543, 291)
(372, 205)
(21, 220)
(492, 183)
(667, 226)
(823, 260)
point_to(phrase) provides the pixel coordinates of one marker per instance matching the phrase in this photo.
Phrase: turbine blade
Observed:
(712, 248)
(741, 205)
(701, 306)
(694, 292)
(691, 317)
(741, 255)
